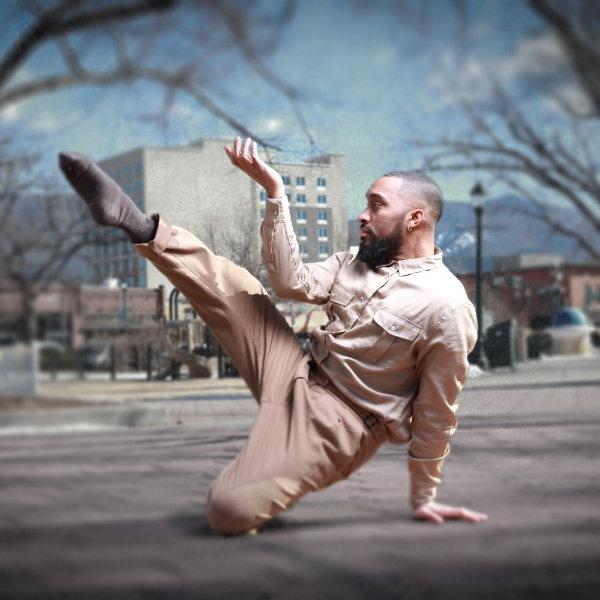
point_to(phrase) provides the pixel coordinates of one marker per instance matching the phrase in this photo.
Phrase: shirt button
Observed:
(392, 327)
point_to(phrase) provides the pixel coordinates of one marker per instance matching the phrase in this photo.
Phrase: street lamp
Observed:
(124, 303)
(478, 195)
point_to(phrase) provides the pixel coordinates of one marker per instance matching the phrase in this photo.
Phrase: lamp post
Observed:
(478, 195)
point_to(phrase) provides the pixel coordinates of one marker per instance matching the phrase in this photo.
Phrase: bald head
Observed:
(421, 188)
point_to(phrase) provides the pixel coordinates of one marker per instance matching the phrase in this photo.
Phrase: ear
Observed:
(415, 217)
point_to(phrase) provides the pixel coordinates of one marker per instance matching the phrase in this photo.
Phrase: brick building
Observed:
(531, 288)
(74, 314)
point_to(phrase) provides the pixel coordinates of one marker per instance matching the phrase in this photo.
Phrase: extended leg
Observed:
(233, 304)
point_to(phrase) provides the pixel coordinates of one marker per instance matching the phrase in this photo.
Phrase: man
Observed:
(387, 367)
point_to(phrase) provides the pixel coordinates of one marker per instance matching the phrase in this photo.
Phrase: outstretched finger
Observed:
(254, 152)
(473, 516)
(237, 146)
(230, 154)
(428, 514)
(247, 148)
(465, 514)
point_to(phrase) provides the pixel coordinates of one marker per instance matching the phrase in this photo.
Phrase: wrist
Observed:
(275, 191)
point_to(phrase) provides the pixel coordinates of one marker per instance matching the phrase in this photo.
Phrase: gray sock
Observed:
(108, 203)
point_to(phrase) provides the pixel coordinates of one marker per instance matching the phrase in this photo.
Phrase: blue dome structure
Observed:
(569, 317)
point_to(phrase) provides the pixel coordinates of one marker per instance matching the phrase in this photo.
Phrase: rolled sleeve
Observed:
(289, 276)
(442, 368)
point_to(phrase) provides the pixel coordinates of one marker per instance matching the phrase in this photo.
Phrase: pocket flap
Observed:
(340, 295)
(396, 325)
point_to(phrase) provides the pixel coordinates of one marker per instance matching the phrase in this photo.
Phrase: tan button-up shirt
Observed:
(396, 342)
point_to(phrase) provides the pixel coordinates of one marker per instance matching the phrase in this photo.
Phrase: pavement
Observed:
(119, 511)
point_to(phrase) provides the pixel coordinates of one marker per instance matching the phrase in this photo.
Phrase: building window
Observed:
(321, 199)
(302, 233)
(300, 181)
(321, 182)
(323, 250)
(288, 196)
(322, 232)
(286, 179)
(301, 198)
(263, 196)
(322, 216)
(262, 213)
(303, 250)
(301, 216)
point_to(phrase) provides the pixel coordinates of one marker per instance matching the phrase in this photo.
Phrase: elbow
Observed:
(285, 291)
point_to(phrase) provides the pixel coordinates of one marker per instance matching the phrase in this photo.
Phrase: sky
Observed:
(371, 81)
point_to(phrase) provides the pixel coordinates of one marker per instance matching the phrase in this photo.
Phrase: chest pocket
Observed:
(393, 333)
(339, 301)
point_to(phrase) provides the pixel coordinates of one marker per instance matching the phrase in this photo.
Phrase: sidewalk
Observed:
(100, 404)
(121, 514)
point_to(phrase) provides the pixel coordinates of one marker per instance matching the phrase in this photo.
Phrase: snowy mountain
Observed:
(507, 229)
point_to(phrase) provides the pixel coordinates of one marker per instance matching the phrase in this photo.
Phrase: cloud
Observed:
(536, 61)
(384, 56)
(270, 125)
(45, 122)
(536, 56)
(11, 112)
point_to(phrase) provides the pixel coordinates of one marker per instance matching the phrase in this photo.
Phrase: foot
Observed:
(108, 203)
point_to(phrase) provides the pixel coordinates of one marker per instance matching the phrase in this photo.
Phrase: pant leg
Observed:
(233, 304)
(304, 438)
(294, 448)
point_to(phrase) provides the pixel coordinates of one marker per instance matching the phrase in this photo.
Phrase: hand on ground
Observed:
(438, 513)
(246, 158)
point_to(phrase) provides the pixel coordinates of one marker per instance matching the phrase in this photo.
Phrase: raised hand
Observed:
(247, 160)
(438, 513)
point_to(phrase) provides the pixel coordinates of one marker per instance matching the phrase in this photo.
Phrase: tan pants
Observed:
(304, 438)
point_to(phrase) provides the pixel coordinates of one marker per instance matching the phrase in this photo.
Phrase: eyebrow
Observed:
(375, 195)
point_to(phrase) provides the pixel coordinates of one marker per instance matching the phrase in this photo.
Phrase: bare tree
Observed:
(537, 163)
(235, 235)
(41, 232)
(174, 44)
(183, 47)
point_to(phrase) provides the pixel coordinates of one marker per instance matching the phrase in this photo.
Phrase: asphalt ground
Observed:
(120, 513)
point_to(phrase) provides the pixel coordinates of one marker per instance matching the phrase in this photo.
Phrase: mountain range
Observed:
(507, 229)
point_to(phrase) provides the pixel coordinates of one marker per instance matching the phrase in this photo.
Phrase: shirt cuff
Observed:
(277, 209)
(425, 476)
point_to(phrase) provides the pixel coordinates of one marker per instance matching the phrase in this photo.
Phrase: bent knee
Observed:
(229, 513)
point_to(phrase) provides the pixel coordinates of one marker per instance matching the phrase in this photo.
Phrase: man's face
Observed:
(382, 222)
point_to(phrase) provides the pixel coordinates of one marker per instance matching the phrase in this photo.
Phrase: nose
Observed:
(363, 217)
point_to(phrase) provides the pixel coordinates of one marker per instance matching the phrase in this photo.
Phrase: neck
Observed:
(415, 247)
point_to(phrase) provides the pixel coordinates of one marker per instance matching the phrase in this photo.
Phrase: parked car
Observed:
(571, 332)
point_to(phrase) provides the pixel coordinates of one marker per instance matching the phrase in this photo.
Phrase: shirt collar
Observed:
(407, 266)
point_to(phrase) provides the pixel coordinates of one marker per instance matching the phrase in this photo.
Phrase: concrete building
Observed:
(197, 188)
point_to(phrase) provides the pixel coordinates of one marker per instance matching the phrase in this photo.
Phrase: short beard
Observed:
(380, 251)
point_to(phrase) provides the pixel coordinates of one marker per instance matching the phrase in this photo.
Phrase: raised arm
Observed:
(290, 277)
